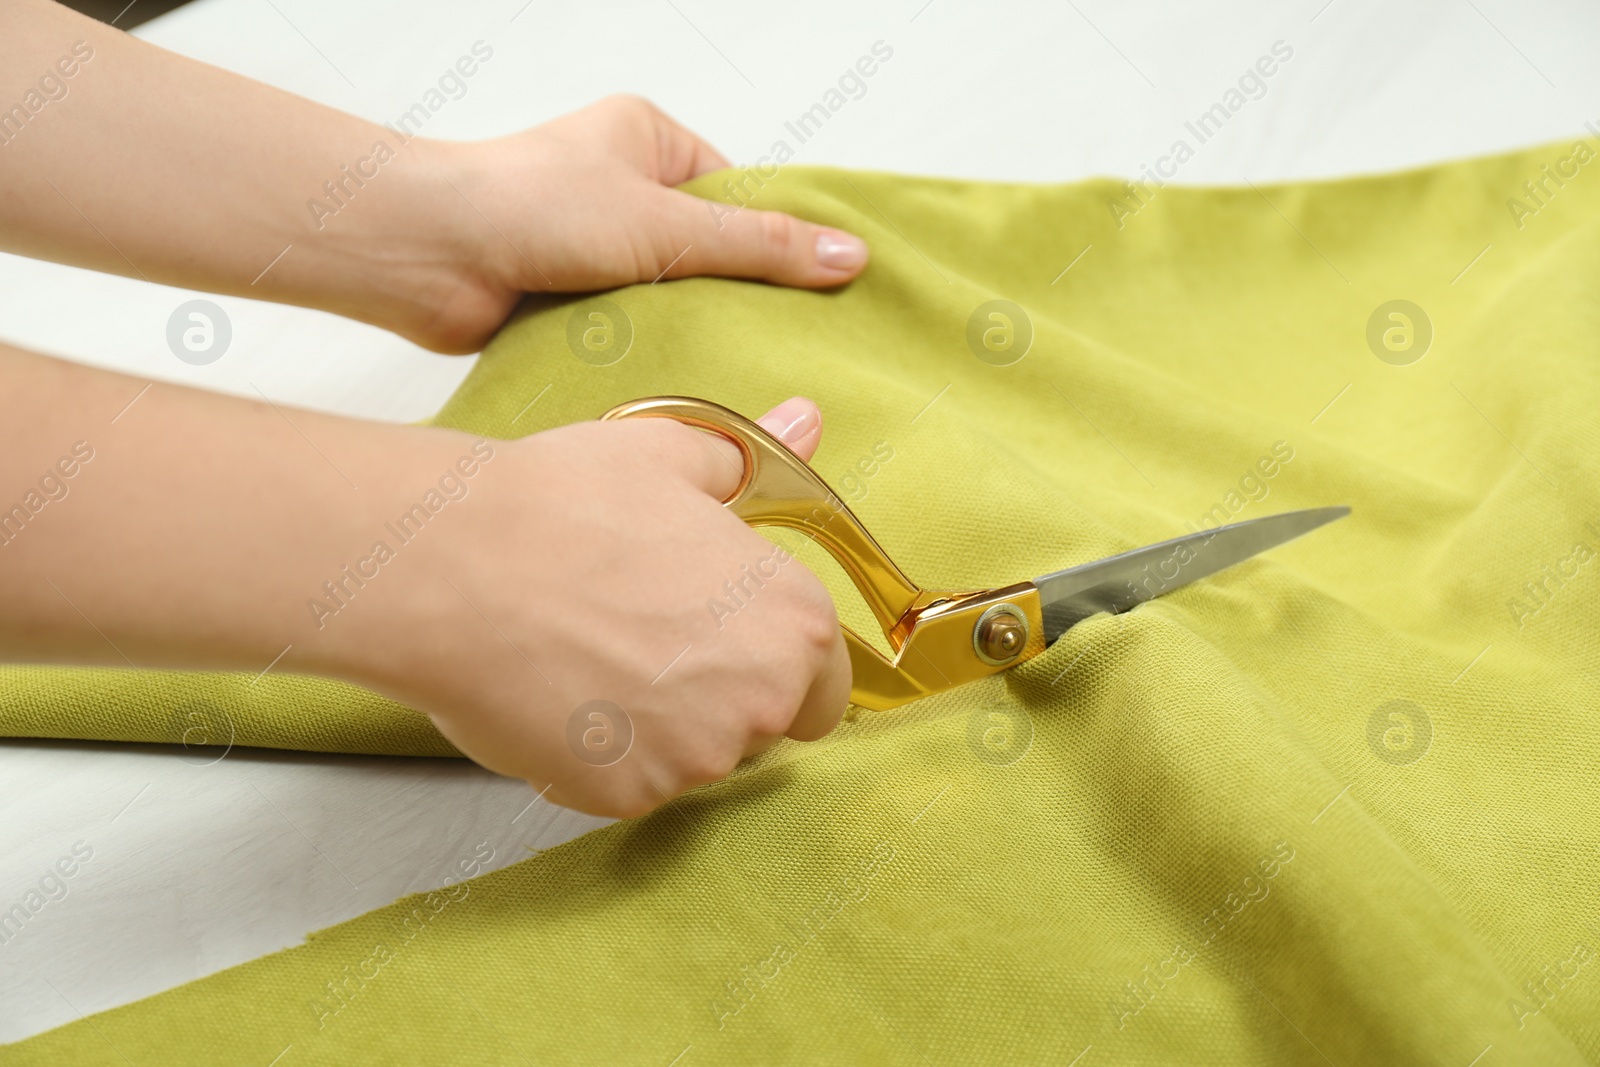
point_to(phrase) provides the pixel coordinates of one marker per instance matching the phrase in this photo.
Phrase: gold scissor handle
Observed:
(941, 638)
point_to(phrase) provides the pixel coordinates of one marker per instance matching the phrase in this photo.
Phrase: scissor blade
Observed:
(1124, 581)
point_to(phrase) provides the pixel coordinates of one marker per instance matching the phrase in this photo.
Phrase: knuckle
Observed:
(817, 626)
(708, 764)
(661, 441)
(626, 807)
(771, 717)
(778, 238)
(661, 433)
(628, 103)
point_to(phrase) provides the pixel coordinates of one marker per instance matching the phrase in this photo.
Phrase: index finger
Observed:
(681, 153)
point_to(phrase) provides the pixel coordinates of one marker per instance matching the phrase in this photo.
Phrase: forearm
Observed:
(166, 526)
(145, 163)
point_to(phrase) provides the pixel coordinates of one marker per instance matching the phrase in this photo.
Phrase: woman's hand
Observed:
(232, 186)
(586, 201)
(499, 586)
(593, 563)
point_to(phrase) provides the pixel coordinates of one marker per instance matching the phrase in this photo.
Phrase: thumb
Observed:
(739, 242)
(797, 422)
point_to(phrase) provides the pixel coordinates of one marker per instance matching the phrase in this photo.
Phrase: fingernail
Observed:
(837, 250)
(792, 420)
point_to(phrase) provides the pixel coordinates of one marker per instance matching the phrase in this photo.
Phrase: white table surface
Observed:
(197, 868)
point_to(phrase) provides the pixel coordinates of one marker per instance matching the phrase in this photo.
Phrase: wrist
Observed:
(383, 603)
(411, 253)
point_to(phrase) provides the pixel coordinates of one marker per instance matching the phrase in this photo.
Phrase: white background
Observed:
(197, 868)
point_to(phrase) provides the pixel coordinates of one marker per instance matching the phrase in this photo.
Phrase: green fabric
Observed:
(1200, 832)
(206, 712)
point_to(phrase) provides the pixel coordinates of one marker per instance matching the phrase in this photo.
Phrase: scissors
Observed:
(943, 638)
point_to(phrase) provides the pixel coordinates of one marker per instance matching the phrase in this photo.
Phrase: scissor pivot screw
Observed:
(1000, 635)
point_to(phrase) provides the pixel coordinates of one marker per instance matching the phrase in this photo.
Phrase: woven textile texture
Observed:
(1336, 805)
